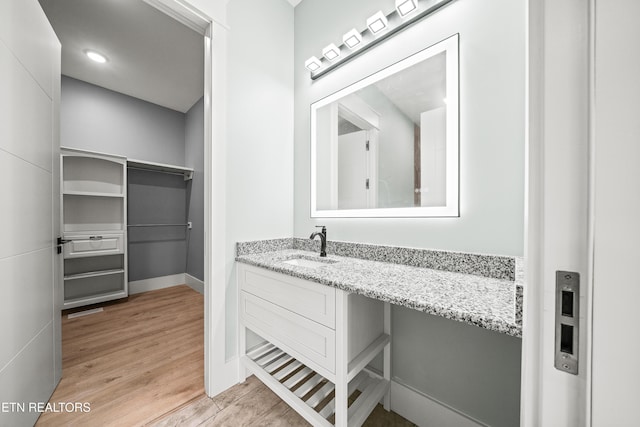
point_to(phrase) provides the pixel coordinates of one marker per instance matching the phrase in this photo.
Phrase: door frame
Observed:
(218, 375)
(545, 392)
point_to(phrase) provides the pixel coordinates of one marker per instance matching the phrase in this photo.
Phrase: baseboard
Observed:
(194, 283)
(426, 411)
(154, 283)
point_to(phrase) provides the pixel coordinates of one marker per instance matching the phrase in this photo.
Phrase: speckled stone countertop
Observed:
(486, 302)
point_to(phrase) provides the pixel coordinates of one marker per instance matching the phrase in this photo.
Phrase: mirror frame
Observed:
(451, 209)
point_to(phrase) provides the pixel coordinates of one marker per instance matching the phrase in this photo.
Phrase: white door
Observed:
(354, 182)
(29, 290)
(615, 378)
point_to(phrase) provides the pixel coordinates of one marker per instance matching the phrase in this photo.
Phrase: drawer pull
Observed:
(95, 237)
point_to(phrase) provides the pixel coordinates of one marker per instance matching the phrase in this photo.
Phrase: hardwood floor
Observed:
(135, 360)
(252, 404)
(141, 363)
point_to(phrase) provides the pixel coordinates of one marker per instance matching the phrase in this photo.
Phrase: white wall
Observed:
(492, 53)
(492, 88)
(616, 341)
(259, 133)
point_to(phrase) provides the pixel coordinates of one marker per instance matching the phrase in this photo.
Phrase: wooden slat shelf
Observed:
(309, 393)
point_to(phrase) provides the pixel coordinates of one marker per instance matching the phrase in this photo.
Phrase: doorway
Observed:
(180, 238)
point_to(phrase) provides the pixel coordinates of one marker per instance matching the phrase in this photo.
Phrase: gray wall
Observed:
(98, 119)
(156, 198)
(470, 369)
(194, 158)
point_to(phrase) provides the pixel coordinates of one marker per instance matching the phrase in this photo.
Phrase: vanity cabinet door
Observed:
(304, 339)
(311, 300)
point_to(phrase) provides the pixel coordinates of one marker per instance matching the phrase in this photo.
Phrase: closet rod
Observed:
(156, 170)
(157, 225)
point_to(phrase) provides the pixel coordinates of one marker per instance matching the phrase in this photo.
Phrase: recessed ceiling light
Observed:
(377, 22)
(95, 56)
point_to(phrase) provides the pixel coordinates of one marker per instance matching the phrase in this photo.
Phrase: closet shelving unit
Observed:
(94, 216)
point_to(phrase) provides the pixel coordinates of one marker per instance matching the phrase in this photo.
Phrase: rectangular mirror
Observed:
(387, 146)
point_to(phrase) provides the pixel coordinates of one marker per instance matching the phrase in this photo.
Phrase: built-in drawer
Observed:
(304, 339)
(311, 300)
(87, 245)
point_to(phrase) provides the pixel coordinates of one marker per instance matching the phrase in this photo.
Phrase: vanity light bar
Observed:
(379, 28)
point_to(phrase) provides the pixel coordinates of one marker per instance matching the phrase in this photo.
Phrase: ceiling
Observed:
(419, 88)
(150, 55)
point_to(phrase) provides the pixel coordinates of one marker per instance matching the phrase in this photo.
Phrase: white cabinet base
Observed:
(319, 341)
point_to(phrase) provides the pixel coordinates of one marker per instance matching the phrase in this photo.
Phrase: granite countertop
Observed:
(486, 302)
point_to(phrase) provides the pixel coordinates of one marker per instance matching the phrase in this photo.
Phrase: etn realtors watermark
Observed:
(56, 407)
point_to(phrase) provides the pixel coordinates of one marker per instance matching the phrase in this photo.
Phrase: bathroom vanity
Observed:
(325, 319)
(316, 335)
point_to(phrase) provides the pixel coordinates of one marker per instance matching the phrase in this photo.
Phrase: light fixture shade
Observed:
(331, 52)
(313, 64)
(377, 22)
(405, 7)
(352, 39)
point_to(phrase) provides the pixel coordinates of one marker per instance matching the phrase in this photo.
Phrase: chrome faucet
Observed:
(323, 239)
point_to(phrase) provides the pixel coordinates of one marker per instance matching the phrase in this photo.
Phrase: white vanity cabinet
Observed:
(319, 340)
(94, 238)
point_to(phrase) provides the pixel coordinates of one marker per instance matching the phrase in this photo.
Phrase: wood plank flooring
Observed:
(135, 360)
(252, 404)
(141, 363)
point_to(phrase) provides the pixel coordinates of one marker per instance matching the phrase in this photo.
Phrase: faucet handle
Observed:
(324, 228)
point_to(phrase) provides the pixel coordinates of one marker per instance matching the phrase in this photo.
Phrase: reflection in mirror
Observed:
(387, 146)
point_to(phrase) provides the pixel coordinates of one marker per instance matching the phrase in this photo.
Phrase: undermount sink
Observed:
(308, 263)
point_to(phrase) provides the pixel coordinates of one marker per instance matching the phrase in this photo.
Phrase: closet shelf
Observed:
(94, 299)
(93, 274)
(93, 194)
(160, 167)
(158, 225)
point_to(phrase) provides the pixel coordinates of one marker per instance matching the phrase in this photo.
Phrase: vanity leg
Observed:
(386, 369)
(242, 337)
(342, 362)
(242, 351)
